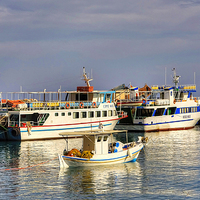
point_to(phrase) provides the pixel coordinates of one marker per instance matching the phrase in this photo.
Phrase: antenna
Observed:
(86, 79)
(165, 76)
(175, 78)
(194, 78)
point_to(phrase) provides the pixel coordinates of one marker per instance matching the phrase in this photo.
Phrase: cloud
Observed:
(111, 33)
(144, 17)
(101, 48)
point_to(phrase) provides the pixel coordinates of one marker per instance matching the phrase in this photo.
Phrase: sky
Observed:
(45, 44)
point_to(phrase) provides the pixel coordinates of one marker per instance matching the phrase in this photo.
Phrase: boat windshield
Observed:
(171, 110)
(144, 112)
(159, 111)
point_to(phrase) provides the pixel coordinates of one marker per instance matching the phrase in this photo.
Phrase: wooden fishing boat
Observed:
(99, 149)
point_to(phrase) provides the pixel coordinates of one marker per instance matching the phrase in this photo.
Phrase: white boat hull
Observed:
(52, 132)
(164, 123)
(129, 155)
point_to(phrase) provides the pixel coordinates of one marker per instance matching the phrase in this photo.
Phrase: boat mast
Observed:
(86, 79)
(175, 78)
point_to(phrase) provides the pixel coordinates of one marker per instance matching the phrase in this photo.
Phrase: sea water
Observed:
(167, 168)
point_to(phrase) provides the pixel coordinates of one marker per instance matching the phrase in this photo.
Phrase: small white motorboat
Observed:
(98, 149)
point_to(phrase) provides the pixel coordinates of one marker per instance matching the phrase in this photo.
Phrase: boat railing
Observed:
(62, 105)
(51, 105)
(183, 87)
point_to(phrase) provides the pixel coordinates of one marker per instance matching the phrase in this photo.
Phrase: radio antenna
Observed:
(85, 78)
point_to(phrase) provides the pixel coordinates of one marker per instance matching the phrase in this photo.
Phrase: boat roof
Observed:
(93, 132)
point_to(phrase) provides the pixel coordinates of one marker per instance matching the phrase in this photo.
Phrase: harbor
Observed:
(100, 100)
(86, 143)
(168, 168)
(96, 144)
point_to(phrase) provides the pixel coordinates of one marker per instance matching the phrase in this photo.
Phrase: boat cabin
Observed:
(99, 142)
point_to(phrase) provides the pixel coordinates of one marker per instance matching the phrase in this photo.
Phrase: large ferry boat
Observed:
(45, 115)
(165, 108)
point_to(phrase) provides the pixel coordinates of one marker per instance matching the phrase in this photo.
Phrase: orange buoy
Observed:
(81, 105)
(67, 105)
(94, 104)
(145, 101)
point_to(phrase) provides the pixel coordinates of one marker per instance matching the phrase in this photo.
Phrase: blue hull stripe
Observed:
(62, 129)
(165, 122)
(99, 160)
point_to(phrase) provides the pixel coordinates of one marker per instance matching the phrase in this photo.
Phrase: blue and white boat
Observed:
(167, 108)
(99, 149)
(44, 115)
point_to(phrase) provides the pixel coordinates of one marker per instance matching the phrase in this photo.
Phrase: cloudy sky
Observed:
(45, 44)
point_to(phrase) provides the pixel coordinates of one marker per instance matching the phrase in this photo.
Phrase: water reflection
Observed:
(102, 179)
(171, 163)
(167, 168)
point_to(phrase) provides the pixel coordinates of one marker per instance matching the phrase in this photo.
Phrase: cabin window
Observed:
(159, 111)
(99, 138)
(104, 113)
(144, 112)
(69, 113)
(98, 114)
(75, 115)
(62, 114)
(171, 110)
(91, 114)
(81, 97)
(83, 114)
(56, 114)
(110, 113)
(108, 96)
(30, 117)
(105, 138)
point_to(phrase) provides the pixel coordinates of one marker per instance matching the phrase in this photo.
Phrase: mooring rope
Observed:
(29, 166)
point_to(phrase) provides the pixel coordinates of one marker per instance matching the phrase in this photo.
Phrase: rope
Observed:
(29, 166)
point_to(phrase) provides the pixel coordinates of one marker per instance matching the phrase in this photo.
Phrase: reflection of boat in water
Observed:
(99, 149)
(102, 181)
(43, 115)
(167, 108)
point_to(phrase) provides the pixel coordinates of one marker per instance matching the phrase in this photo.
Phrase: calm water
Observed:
(168, 168)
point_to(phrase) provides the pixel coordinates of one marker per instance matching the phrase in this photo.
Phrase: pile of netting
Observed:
(77, 153)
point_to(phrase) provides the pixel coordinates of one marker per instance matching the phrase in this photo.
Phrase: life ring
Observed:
(145, 101)
(108, 101)
(94, 104)
(195, 99)
(67, 105)
(81, 105)
(174, 101)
